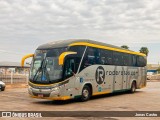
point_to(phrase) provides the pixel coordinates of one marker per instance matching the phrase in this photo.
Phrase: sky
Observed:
(26, 24)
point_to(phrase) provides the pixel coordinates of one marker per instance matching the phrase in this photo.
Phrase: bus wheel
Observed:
(86, 93)
(133, 87)
(2, 88)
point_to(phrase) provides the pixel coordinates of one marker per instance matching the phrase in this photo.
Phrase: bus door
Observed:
(69, 72)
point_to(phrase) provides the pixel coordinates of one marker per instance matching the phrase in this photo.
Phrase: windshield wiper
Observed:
(46, 72)
(34, 77)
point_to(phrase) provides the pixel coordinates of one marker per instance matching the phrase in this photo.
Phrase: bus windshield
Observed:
(45, 68)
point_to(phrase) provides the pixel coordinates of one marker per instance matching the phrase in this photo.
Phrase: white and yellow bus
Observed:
(80, 68)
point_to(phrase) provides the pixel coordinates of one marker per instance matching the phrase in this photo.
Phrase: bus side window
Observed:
(102, 57)
(90, 57)
(141, 61)
(106, 57)
(78, 56)
(69, 68)
(126, 59)
(117, 58)
(109, 57)
(134, 60)
(97, 56)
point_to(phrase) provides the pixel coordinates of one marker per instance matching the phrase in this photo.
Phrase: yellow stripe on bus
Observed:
(106, 47)
(53, 98)
(25, 57)
(100, 93)
(62, 56)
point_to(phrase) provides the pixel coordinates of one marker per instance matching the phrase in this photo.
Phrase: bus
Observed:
(79, 68)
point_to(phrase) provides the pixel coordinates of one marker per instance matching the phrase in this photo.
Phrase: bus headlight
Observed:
(55, 89)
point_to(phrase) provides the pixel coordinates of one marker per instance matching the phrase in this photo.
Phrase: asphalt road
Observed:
(146, 99)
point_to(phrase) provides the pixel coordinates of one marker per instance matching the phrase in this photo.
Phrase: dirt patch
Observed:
(10, 86)
(153, 80)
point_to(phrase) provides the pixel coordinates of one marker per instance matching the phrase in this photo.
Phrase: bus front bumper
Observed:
(51, 94)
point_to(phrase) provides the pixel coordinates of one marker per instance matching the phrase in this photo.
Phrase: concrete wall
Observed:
(154, 77)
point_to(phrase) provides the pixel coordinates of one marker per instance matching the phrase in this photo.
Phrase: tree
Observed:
(144, 50)
(125, 47)
(158, 70)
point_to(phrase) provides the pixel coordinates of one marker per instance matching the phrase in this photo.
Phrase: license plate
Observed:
(40, 95)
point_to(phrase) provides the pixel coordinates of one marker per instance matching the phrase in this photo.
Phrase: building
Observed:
(152, 69)
(13, 67)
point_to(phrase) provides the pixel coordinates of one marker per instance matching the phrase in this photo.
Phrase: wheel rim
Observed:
(85, 93)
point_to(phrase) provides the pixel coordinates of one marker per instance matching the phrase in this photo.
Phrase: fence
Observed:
(14, 78)
(154, 77)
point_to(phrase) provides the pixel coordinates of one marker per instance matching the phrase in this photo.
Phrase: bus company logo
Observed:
(100, 75)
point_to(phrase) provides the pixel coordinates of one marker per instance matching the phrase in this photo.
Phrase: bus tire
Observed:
(2, 88)
(133, 87)
(86, 93)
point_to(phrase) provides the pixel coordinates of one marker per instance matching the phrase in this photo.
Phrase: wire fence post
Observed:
(11, 77)
(27, 78)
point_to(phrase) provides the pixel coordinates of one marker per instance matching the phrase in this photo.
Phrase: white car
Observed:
(2, 86)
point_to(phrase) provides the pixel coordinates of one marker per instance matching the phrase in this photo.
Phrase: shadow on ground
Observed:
(73, 101)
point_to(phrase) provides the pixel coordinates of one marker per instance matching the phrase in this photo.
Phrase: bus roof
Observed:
(86, 42)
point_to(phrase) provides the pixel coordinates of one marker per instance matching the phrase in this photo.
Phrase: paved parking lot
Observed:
(146, 99)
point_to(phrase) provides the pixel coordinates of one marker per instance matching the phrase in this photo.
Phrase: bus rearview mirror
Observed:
(25, 57)
(63, 55)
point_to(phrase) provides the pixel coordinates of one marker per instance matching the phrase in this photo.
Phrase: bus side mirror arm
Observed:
(63, 55)
(25, 57)
(73, 74)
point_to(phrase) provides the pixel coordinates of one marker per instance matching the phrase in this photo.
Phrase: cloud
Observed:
(25, 24)
(105, 15)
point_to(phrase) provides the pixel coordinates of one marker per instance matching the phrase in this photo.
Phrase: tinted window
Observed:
(78, 49)
(106, 57)
(141, 61)
(78, 56)
(55, 52)
(91, 57)
(117, 58)
(69, 68)
(134, 60)
(127, 59)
